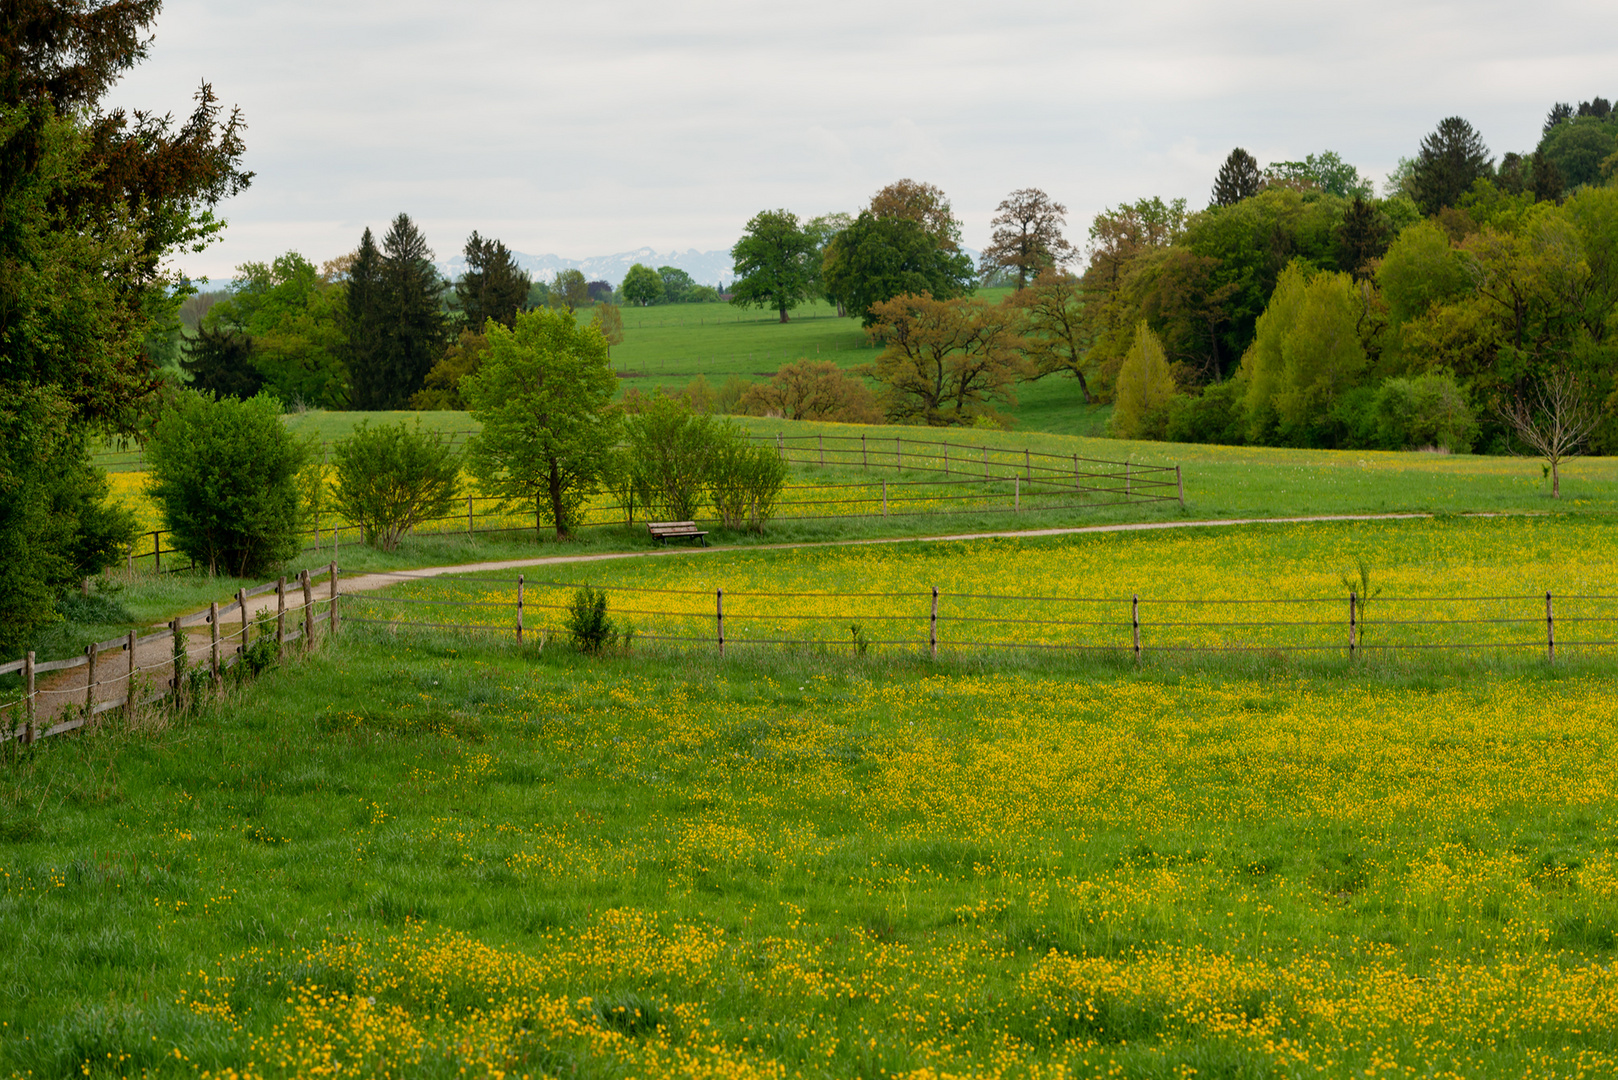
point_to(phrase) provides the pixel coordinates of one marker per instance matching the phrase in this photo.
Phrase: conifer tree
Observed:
(1238, 179)
(1451, 158)
(493, 286)
(398, 330)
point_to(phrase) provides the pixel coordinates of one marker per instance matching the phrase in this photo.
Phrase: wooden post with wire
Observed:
(129, 677)
(280, 613)
(932, 626)
(1550, 631)
(90, 681)
(1134, 617)
(333, 612)
(213, 641)
(241, 601)
(719, 618)
(308, 612)
(865, 456)
(1353, 624)
(1016, 494)
(884, 498)
(1179, 482)
(28, 694)
(519, 608)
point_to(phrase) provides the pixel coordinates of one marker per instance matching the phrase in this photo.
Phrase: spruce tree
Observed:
(367, 379)
(1451, 159)
(220, 362)
(1364, 235)
(1238, 179)
(493, 286)
(398, 330)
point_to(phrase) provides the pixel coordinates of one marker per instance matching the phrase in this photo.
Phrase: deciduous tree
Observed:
(1053, 327)
(544, 397)
(1027, 237)
(1145, 389)
(946, 361)
(876, 259)
(925, 204)
(642, 285)
(677, 284)
(772, 261)
(813, 390)
(569, 290)
(1554, 418)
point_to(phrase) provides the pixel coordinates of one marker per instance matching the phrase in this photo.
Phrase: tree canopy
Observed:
(772, 261)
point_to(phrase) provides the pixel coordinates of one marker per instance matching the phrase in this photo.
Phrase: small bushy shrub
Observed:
(224, 475)
(744, 480)
(672, 449)
(393, 477)
(587, 622)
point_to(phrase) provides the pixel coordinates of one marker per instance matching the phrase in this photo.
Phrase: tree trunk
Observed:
(556, 500)
(1556, 478)
(784, 313)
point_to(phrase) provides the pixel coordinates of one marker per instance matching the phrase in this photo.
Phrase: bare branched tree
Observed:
(1554, 420)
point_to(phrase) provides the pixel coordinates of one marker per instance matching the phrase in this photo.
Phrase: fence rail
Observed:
(936, 618)
(115, 673)
(966, 480)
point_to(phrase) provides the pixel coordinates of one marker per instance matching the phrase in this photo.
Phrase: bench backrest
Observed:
(671, 526)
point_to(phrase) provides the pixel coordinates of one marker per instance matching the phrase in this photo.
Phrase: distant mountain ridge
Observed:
(705, 267)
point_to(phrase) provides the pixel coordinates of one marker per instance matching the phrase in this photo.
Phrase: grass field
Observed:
(431, 856)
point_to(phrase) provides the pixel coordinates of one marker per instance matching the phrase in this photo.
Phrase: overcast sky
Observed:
(582, 129)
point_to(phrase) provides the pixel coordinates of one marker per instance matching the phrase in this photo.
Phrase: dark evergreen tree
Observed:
(1452, 158)
(1545, 178)
(1238, 179)
(220, 362)
(367, 379)
(1363, 236)
(397, 326)
(1598, 107)
(1559, 112)
(493, 286)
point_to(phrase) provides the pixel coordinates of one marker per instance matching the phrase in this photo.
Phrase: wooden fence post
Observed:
(932, 626)
(865, 456)
(1134, 617)
(157, 551)
(946, 459)
(519, 608)
(1179, 482)
(1028, 465)
(1077, 486)
(884, 498)
(308, 612)
(1353, 623)
(719, 618)
(28, 693)
(333, 612)
(1550, 631)
(1127, 490)
(469, 515)
(780, 450)
(213, 648)
(241, 599)
(898, 455)
(90, 681)
(129, 679)
(280, 613)
(1016, 494)
(821, 439)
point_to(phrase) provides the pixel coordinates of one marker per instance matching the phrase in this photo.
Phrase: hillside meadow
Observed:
(442, 855)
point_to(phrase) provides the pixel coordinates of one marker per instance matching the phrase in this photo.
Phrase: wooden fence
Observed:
(935, 618)
(966, 479)
(117, 674)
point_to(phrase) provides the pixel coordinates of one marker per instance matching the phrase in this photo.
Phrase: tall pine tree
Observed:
(397, 327)
(1451, 158)
(1238, 179)
(493, 286)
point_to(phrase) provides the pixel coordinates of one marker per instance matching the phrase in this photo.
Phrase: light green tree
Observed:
(544, 398)
(642, 285)
(1145, 387)
(1306, 351)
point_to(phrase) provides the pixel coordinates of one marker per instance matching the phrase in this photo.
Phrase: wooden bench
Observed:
(664, 531)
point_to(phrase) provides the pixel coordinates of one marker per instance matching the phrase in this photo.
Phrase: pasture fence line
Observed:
(1134, 624)
(998, 481)
(114, 674)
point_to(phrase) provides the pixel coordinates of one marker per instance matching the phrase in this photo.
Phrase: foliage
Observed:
(1145, 389)
(608, 319)
(544, 398)
(220, 362)
(672, 448)
(1326, 171)
(93, 202)
(393, 477)
(294, 318)
(1027, 237)
(772, 263)
(744, 480)
(1577, 147)
(822, 231)
(493, 286)
(677, 284)
(1054, 327)
(877, 259)
(812, 390)
(920, 202)
(1425, 410)
(946, 361)
(591, 631)
(1307, 353)
(224, 473)
(1238, 179)
(642, 285)
(442, 387)
(1451, 159)
(398, 325)
(569, 290)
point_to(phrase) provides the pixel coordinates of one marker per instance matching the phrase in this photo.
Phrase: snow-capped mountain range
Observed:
(705, 267)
